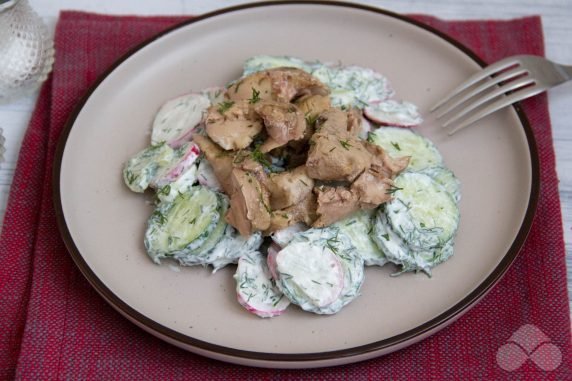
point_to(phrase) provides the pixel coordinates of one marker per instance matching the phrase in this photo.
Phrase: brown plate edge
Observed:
(301, 359)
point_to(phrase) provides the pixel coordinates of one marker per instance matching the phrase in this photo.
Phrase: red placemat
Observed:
(53, 325)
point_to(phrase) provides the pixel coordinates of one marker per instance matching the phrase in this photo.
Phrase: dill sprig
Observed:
(165, 190)
(160, 216)
(255, 96)
(311, 118)
(393, 189)
(396, 146)
(260, 157)
(345, 144)
(224, 106)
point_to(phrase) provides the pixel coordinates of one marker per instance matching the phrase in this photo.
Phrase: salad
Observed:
(301, 173)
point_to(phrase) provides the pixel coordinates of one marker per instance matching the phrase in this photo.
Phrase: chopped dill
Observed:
(165, 190)
(160, 216)
(237, 86)
(345, 144)
(277, 301)
(131, 177)
(224, 106)
(259, 156)
(393, 189)
(330, 244)
(255, 96)
(311, 118)
(396, 146)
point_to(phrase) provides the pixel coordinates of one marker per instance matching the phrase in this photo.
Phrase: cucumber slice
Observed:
(404, 142)
(263, 62)
(146, 165)
(319, 270)
(422, 212)
(358, 228)
(183, 224)
(199, 255)
(395, 248)
(445, 177)
(255, 289)
(353, 85)
(398, 252)
(228, 250)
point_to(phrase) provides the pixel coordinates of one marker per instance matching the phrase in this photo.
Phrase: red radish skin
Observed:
(261, 313)
(192, 154)
(263, 310)
(273, 250)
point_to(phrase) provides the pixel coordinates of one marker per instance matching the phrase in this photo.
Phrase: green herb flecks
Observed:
(345, 144)
(260, 157)
(165, 190)
(396, 146)
(224, 106)
(393, 189)
(330, 244)
(255, 96)
(386, 237)
(160, 217)
(277, 300)
(130, 176)
(311, 118)
(237, 86)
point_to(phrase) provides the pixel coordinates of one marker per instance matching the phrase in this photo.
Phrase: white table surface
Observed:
(556, 17)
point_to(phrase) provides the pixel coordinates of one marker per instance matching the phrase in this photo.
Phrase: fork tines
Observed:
(495, 87)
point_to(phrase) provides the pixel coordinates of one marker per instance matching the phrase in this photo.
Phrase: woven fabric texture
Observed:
(53, 325)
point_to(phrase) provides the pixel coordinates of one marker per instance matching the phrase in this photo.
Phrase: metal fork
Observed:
(498, 85)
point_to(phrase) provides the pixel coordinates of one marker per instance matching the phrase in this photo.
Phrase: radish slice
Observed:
(393, 113)
(255, 288)
(185, 157)
(311, 276)
(273, 250)
(177, 117)
(207, 177)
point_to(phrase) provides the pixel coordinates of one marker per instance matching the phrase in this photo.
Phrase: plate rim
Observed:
(305, 359)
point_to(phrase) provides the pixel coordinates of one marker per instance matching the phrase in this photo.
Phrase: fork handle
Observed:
(567, 69)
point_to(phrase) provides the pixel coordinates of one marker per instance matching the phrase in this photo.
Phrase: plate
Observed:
(102, 222)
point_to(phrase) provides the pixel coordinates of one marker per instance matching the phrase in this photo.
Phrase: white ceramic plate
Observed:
(103, 222)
